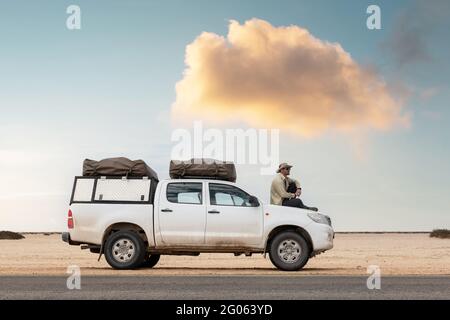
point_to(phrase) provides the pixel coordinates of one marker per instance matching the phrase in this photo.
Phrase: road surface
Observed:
(224, 287)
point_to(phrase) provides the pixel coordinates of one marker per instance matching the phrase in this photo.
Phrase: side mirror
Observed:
(254, 201)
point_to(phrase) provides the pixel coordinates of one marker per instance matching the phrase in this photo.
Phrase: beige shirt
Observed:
(278, 189)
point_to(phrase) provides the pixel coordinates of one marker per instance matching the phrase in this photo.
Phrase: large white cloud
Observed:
(281, 77)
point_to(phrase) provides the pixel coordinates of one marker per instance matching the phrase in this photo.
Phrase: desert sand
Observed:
(395, 254)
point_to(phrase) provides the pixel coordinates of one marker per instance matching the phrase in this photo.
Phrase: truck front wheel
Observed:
(289, 251)
(125, 250)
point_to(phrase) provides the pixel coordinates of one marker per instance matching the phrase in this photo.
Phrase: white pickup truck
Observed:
(133, 221)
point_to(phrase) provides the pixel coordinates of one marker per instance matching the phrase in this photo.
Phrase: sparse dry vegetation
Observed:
(8, 235)
(440, 233)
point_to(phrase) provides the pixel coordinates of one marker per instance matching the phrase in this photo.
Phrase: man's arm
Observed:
(297, 183)
(299, 188)
(278, 188)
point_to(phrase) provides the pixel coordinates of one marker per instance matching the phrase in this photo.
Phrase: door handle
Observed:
(166, 210)
(213, 211)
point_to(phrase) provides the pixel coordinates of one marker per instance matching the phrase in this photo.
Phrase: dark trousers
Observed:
(294, 202)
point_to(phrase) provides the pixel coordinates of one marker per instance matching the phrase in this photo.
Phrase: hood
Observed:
(285, 210)
(287, 215)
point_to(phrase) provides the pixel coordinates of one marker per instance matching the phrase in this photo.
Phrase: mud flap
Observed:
(101, 251)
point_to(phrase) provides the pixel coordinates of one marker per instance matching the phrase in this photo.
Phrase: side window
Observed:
(185, 192)
(83, 190)
(223, 199)
(226, 195)
(112, 190)
(121, 190)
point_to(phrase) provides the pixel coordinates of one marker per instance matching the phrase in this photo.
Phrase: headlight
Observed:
(319, 218)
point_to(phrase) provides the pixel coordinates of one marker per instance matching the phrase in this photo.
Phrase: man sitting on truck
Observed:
(285, 191)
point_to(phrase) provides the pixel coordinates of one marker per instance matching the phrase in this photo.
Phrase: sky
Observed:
(378, 160)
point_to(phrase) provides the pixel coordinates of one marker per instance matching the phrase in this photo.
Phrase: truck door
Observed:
(231, 219)
(182, 214)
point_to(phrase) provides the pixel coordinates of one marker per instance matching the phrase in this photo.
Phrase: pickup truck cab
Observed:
(133, 221)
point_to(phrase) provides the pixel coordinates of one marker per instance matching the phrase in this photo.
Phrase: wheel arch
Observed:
(283, 228)
(120, 226)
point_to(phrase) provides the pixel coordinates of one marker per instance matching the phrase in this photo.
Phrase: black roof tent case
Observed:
(202, 168)
(118, 167)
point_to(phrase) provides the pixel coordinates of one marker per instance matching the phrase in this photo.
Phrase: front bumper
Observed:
(322, 236)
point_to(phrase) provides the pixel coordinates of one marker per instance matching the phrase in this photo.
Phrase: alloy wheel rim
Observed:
(289, 251)
(123, 250)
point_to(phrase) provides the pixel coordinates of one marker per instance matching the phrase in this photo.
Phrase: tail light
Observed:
(70, 220)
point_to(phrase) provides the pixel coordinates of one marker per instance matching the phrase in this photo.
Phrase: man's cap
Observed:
(282, 166)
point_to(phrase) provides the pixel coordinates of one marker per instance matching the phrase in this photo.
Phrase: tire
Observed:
(125, 250)
(150, 261)
(289, 251)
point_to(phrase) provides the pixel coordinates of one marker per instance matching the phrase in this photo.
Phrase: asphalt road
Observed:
(225, 287)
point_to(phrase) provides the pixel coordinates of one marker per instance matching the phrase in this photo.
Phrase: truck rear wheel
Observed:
(289, 251)
(125, 250)
(150, 261)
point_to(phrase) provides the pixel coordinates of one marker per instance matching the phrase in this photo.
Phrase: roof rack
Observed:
(201, 177)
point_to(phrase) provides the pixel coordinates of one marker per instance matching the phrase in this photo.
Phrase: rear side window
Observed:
(185, 192)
